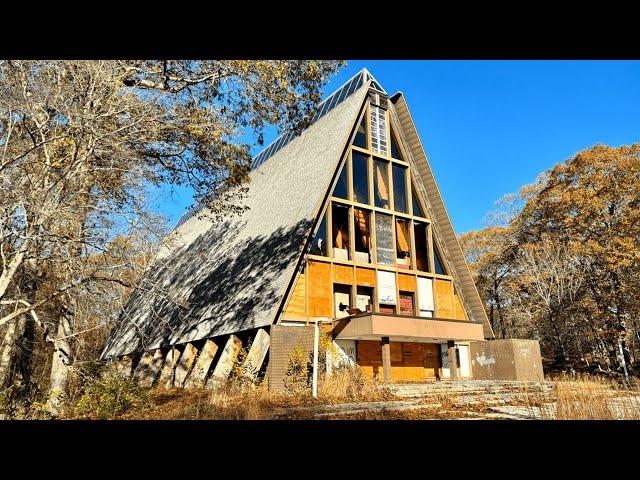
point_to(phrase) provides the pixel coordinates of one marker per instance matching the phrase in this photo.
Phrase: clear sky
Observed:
(491, 126)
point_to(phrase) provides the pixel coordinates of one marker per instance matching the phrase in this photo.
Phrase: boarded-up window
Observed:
(340, 229)
(406, 303)
(425, 297)
(384, 239)
(381, 183)
(363, 235)
(386, 288)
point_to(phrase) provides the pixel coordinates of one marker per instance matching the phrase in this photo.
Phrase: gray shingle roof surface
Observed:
(212, 278)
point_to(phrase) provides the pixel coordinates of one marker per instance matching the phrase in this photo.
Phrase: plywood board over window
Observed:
(443, 292)
(406, 282)
(320, 290)
(366, 277)
(342, 274)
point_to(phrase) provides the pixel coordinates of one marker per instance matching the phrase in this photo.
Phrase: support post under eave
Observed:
(453, 361)
(386, 360)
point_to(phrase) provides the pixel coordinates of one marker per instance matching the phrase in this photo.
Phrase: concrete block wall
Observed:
(284, 339)
(507, 359)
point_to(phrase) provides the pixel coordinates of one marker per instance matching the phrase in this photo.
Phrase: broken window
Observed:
(364, 299)
(341, 300)
(403, 246)
(395, 149)
(319, 244)
(384, 239)
(378, 130)
(422, 250)
(406, 303)
(400, 188)
(341, 189)
(417, 209)
(361, 134)
(437, 259)
(363, 235)
(340, 231)
(360, 164)
(381, 182)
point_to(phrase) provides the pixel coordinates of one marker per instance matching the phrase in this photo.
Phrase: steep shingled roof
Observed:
(213, 278)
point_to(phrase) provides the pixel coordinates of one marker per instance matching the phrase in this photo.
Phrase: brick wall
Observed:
(508, 359)
(284, 339)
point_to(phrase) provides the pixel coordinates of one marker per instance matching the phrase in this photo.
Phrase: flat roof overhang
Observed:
(406, 329)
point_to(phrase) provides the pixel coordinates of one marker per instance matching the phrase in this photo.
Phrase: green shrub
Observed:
(110, 396)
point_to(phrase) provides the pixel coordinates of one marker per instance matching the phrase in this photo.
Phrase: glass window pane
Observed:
(384, 239)
(395, 149)
(340, 231)
(360, 177)
(439, 266)
(340, 190)
(422, 251)
(319, 244)
(400, 189)
(403, 244)
(417, 208)
(381, 183)
(361, 134)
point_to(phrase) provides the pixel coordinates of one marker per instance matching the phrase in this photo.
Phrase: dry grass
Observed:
(351, 385)
(586, 398)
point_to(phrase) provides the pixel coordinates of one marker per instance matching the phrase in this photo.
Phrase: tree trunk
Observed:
(60, 367)
(7, 353)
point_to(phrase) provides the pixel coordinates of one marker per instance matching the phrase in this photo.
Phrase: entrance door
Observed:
(431, 360)
(464, 360)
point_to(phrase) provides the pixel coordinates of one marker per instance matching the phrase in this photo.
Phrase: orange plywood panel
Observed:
(343, 274)
(406, 282)
(366, 277)
(443, 293)
(297, 301)
(320, 289)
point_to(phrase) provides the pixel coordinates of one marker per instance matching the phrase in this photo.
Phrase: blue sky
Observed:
(491, 126)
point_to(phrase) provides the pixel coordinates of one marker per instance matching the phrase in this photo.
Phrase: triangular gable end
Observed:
(451, 252)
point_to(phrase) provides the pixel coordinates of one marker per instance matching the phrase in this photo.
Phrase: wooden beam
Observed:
(185, 364)
(257, 353)
(198, 375)
(168, 369)
(225, 362)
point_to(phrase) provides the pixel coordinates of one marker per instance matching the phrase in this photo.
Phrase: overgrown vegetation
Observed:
(560, 262)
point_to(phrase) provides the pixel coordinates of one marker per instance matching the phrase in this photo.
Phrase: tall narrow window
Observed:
(384, 239)
(378, 130)
(437, 259)
(363, 235)
(381, 182)
(395, 149)
(400, 188)
(417, 208)
(341, 188)
(360, 177)
(422, 251)
(361, 134)
(403, 246)
(340, 231)
(319, 244)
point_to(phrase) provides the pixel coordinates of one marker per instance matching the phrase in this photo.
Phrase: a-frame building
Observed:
(345, 225)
